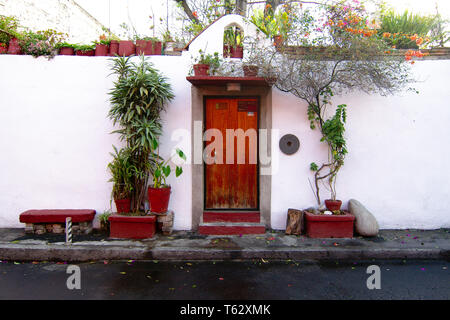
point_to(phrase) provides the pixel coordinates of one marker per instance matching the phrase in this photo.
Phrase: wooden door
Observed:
(231, 175)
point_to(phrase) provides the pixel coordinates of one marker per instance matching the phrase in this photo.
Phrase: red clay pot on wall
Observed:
(333, 205)
(101, 50)
(14, 47)
(329, 226)
(250, 71)
(237, 52)
(144, 47)
(157, 47)
(87, 53)
(126, 48)
(3, 48)
(113, 48)
(123, 205)
(132, 227)
(201, 69)
(158, 199)
(66, 51)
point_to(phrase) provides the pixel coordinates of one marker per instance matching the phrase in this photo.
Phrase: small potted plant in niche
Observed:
(232, 40)
(159, 192)
(206, 64)
(121, 169)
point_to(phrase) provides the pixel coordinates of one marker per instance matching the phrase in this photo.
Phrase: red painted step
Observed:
(231, 216)
(227, 228)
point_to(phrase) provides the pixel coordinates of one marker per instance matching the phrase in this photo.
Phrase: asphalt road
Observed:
(208, 280)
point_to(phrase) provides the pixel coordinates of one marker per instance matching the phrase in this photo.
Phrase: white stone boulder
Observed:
(365, 223)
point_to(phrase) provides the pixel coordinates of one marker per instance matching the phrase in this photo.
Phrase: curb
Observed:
(80, 253)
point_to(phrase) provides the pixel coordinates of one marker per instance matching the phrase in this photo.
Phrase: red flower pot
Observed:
(14, 47)
(86, 53)
(158, 199)
(132, 227)
(250, 71)
(157, 48)
(126, 48)
(144, 47)
(123, 205)
(3, 48)
(333, 205)
(201, 69)
(101, 50)
(237, 52)
(226, 51)
(66, 51)
(329, 226)
(113, 48)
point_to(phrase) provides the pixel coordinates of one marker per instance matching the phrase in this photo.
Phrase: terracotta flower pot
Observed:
(329, 226)
(333, 205)
(237, 52)
(123, 205)
(201, 69)
(14, 47)
(250, 71)
(226, 51)
(144, 47)
(66, 51)
(126, 48)
(86, 53)
(132, 227)
(101, 50)
(3, 48)
(158, 199)
(157, 47)
(113, 48)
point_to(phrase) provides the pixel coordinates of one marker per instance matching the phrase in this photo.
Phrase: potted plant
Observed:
(206, 64)
(85, 50)
(159, 192)
(169, 43)
(9, 35)
(122, 169)
(232, 39)
(66, 49)
(327, 224)
(104, 222)
(251, 60)
(102, 46)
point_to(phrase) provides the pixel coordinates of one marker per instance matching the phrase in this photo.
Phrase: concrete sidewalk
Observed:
(274, 245)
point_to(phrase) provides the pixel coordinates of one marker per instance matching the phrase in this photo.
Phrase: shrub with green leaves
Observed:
(139, 95)
(8, 28)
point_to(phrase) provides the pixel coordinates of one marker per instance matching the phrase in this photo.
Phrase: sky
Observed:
(112, 13)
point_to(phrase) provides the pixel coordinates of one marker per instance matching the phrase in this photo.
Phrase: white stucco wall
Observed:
(55, 142)
(55, 134)
(397, 164)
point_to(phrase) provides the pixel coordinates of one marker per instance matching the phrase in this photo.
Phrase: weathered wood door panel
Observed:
(231, 180)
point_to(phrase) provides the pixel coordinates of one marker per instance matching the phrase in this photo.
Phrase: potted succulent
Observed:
(206, 64)
(159, 192)
(85, 49)
(121, 169)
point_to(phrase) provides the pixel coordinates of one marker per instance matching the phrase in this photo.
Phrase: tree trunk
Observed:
(187, 10)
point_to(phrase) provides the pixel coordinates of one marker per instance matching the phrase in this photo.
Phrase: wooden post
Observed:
(294, 223)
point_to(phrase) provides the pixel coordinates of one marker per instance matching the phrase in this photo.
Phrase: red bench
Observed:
(53, 220)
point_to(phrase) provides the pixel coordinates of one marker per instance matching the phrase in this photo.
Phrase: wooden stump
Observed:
(294, 223)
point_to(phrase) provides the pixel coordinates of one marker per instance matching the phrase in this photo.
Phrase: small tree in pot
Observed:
(122, 171)
(159, 192)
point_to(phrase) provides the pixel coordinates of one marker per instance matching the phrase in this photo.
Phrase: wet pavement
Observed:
(230, 280)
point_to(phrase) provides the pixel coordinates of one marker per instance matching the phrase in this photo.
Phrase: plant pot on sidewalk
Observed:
(329, 226)
(132, 227)
(123, 205)
(158, 199)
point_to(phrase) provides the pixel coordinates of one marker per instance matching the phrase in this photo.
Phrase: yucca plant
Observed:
(138, 97)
